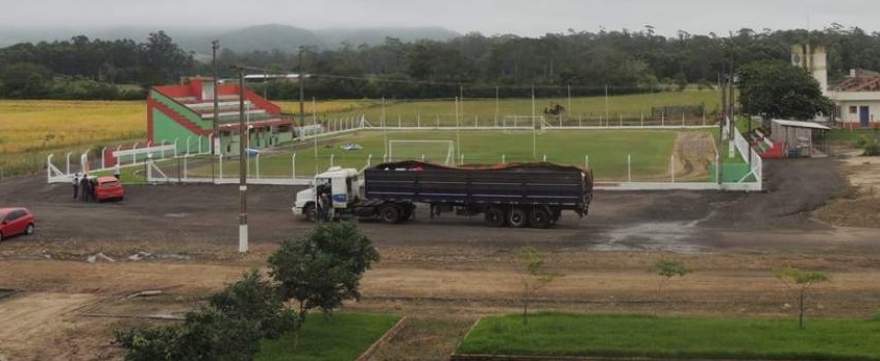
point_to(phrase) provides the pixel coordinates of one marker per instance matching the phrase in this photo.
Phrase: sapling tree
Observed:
(323, 269)
(530, 263)
(800, 282)
(667, 270)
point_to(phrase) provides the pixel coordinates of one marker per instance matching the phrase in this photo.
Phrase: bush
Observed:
(229, 329)
(871, 145)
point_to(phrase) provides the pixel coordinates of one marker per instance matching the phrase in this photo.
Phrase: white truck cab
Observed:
(341, 187)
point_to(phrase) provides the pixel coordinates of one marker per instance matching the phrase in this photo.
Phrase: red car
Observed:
(15, 221)
(109, 188)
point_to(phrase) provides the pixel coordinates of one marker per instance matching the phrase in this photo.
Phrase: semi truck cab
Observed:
(337, 187)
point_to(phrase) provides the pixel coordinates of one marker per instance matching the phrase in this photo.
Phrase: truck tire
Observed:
(540, 217)
(494, 216)
(390, 214)
(518, 217)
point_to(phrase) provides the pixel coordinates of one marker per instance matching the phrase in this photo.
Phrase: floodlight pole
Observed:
(315, 136)
(534, 131)
(384, 130)
(302, 112)
(242, 173)
(215, 45)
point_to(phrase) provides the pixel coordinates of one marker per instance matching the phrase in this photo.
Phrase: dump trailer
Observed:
(515, 195)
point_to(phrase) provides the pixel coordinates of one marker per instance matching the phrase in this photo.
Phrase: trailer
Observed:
(515, 195)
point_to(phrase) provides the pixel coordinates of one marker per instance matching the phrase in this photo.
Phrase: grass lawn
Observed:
(684, 338)
(607, 149)
(484, 109)
(851, 136)
(342, 337)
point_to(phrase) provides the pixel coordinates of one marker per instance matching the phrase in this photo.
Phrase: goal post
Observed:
(435, 151)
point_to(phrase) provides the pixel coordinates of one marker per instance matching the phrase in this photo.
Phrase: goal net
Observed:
(512, 123)
(435, 151)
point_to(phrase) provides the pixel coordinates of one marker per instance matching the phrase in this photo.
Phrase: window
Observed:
(853, 109)
(14, 215)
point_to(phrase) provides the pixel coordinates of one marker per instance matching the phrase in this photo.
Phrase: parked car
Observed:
(109, 188)
(15, 221)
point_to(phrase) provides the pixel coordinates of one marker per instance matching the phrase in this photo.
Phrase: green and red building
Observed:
(184, 114)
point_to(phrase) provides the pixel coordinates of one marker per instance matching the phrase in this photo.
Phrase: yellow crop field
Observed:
(328, 106)
(29, 129)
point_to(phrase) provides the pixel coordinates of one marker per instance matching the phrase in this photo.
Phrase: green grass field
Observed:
(342, 337)
(650, 151)
(483, 111)
(677, 338)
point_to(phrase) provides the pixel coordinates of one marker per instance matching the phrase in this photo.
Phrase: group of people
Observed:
(84, 187)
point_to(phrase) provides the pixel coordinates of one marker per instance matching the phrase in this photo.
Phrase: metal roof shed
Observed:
(797, 136)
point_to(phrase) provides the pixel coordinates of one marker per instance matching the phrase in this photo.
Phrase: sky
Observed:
(521, 17)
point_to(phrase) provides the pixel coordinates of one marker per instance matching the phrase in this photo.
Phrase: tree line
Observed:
(83, 68)
(586, 62)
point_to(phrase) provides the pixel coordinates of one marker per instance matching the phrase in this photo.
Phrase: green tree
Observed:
(255, 298)
(229, 328)
(533, 276)
(324, 268)
(776, 89)
(667, 270)
(24, 80)
(800, 282)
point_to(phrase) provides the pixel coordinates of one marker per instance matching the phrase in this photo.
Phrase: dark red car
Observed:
(15, 221)
(109, 188)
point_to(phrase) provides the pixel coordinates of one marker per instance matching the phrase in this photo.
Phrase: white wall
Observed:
(847, 117)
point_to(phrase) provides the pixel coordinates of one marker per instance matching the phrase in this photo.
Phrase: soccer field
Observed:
(607, 151)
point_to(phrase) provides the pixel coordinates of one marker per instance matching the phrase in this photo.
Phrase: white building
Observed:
(857, 98)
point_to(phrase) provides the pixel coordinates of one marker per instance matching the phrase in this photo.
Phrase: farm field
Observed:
(675, 337)
(30, 129)
(342, 336)
(649, 151)
(484, 110)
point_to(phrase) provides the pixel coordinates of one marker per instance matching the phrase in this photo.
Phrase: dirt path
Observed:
(694, 153)
(29, 319)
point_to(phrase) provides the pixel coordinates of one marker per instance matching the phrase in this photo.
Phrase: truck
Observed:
(513, 195)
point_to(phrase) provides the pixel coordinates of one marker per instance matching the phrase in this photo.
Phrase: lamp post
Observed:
(242, 173)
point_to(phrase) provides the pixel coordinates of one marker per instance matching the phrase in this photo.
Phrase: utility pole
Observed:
(606, 102)
(302, 112)
(568, 111)
(216, 140)
(534, 131)
(242, 170)
(497, 105)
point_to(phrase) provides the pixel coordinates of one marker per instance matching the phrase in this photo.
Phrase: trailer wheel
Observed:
(555, 215)
(518, 217)
(540, 217)
(495, 216)
(389, 214)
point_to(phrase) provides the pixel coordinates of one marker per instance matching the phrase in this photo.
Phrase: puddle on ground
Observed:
(652, 236)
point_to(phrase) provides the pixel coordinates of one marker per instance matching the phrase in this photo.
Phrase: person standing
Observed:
(76, 185)
(84, 188)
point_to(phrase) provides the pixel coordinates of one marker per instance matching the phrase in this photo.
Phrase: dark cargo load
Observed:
(563, 187)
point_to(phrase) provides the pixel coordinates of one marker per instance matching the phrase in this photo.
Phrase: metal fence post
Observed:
(258, 165)
(67, 167)
(221, 165)
(672, 167)
(586, 161)
(186, 167)
(133, 154)
(103, 158)
(370, 160)
(629, 175)
(504, 159)
(332, 158)
(187, 143)
(293, 166)
(642, 119)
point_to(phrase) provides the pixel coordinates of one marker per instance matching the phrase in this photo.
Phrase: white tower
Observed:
(814, 60)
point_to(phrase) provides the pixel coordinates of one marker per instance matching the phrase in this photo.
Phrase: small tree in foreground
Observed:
(323, 269)
(800, 281)
(533, 276)
(667, 270)
(228, 329)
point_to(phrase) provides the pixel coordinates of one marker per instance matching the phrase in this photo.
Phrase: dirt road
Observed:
(435, 269)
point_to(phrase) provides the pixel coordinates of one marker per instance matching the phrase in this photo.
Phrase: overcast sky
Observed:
(523, 17)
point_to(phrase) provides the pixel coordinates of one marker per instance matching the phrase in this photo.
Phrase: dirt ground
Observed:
(445, 272)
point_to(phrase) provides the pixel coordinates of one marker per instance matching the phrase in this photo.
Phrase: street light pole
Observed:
(214, 46)
(242, 172)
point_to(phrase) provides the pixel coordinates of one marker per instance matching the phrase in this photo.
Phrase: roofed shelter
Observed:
(797, 137)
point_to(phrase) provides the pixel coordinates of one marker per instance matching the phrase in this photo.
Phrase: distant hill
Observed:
(259, 37)
(334, 37)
